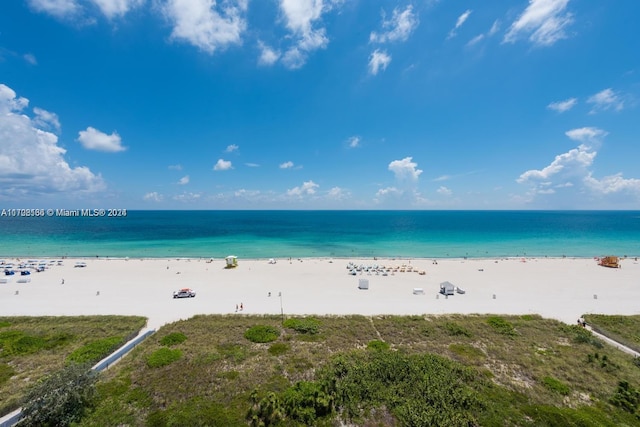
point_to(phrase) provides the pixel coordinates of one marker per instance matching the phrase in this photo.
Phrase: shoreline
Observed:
(559, 288)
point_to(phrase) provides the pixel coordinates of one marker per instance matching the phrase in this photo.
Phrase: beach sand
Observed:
(558, 288)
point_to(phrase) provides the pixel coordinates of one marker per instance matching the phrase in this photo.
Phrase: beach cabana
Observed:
(447, 288)
(363, 284)
(232, 261)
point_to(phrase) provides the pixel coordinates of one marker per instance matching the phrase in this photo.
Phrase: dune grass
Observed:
(624, 329)
(494, 370)
(32, 347)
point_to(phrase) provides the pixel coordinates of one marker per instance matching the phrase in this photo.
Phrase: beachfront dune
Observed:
(559, 288)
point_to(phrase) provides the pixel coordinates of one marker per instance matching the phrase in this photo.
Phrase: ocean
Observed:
(299, 234)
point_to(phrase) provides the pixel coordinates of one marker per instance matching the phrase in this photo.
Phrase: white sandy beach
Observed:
(562, 289)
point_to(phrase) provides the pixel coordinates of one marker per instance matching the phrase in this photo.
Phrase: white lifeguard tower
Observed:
(232, 261)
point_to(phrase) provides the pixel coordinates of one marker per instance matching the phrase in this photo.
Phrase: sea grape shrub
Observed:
(262, 333)
(61, 398)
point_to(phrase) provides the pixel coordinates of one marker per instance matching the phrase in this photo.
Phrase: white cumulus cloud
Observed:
(303, 19)
(231, 148)
(353, 141)
(184, 180)
(574, 163)
(93, 139)
(153, 196)
(57, 8)
(31, 162)
(286, 165)
(444, 191)
(222, 165)
(379, 60)
(268, 55)
(405, 169)
(572, 171)
(562, 106)
(307, 188)
(337, 193)
(397, 28)
(205, 24)
(46, 120)
(544, 21)
(586, 135)
(115, 8)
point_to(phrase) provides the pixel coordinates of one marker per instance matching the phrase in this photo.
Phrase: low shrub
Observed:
(304, 325)
(6, 372)
(455, 330)
(279, 348)
(580, 335)
(626, 397)
(262, 333)
(95, 350)
(501, 326)
(378, 345)
(174, 338)
(163, 357)
(61, 398)
(556, 385)
(466, 351)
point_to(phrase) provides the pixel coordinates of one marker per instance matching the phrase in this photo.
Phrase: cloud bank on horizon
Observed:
(318, 104)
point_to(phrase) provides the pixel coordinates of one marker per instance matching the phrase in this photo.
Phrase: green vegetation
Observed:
(502, 326)
(6, 372)
(624, 329)
(378, 345)
(556, 385)
(304, 325)
(367, 371)
(18, 343)
(262, 333)
(94, 351)
(279, 348)
(172, 339)
(163, 357)
(626, 397)
(33, 347)
(61, 398)
(425, 370)
(455, 330)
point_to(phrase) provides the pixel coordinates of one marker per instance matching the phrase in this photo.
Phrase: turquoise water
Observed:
(266, 234)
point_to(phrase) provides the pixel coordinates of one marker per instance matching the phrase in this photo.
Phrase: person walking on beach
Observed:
(236, 308)
(241, 307)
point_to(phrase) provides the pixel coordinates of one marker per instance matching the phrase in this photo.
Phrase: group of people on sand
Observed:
(239, 308)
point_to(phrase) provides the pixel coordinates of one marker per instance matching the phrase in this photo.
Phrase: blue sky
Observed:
(319, 104)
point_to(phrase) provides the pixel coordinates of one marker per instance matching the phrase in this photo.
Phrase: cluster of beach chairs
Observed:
(24, 269)
(381, 270)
